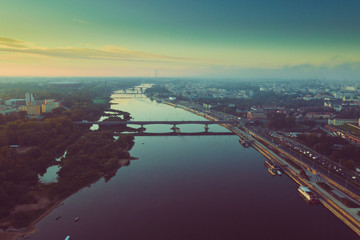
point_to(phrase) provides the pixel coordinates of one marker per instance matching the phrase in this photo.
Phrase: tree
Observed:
(350, 164)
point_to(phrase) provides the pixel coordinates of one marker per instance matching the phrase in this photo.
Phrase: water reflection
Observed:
(193, 187)
(51, 174)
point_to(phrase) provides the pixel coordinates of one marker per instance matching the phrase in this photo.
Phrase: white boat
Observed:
(67, 238)
(278, 171)
(307, 194)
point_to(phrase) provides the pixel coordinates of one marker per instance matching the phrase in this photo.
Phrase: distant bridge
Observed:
(178, 134)
(142, 123)
(131, 93)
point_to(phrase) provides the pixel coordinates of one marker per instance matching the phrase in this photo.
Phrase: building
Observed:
(315, 115)
(272, 109)
(340, 121)
(15, 102)
(36, 107)
(256, 115)
(7, 109)
(29, 97)
(49, 104)
(346, 135)
(207, 105)
(32, 110)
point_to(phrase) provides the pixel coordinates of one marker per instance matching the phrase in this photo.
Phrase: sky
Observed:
(188, 38)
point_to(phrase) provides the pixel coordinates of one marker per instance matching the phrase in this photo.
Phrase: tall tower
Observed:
(29, 97)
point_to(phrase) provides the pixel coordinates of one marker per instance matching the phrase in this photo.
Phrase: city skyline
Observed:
(231, 39)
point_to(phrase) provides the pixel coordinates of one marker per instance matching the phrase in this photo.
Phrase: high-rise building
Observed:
(29, 97)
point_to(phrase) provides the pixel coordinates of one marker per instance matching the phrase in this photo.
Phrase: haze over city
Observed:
(217, 39)
(179, 120)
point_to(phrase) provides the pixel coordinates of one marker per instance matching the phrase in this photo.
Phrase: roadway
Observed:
(154, 122)
(326, 167)
(336, 172)
(179, 134)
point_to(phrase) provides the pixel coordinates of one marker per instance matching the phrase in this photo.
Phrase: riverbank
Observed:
(347, 215)
(15, 234)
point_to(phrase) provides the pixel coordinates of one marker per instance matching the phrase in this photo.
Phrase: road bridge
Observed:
(131, 93)
(142, 123)
(179, 134)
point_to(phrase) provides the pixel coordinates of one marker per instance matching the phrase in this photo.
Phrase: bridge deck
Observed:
(179, 134)
(156, 122)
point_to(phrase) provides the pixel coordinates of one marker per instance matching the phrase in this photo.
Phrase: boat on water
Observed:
(270, 165)
(244, 143)
(308, 194)
(271, 171)
(76, 219)
(67, 238)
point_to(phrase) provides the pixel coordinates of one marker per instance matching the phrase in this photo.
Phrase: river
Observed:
(193, 187)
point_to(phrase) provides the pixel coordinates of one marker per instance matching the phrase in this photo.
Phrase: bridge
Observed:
(155, 122)
(178, 134)
(142, 123)
(130, 93)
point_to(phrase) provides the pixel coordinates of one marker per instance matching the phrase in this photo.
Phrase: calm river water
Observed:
(194, 187)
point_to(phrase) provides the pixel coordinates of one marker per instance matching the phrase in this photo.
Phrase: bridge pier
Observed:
(175, 129)
(141, 129)
(206, 128)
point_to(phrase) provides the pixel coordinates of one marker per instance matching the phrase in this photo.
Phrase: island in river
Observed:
(90, 156)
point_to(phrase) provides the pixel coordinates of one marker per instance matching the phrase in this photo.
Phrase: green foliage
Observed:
(350, 164)
(41, 141)
(89, 158)
(348, 155)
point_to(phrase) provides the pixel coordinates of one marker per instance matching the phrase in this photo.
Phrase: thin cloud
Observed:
(115, 53)
(12, 43)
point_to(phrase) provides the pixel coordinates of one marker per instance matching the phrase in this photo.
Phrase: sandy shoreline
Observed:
(32, 227)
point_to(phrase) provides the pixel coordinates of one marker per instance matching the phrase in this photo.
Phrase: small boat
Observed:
(76, 219)
(244, 143)
(278, 171)
(269, 164)
(67, 238)
(271, 171)
(57, 218)
(308, 194)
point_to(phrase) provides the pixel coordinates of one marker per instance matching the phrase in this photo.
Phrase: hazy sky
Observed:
(202, 38)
